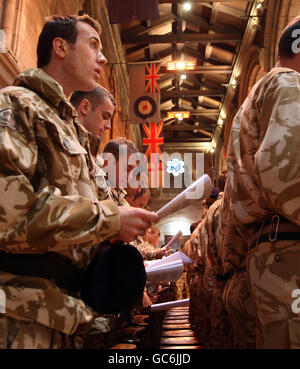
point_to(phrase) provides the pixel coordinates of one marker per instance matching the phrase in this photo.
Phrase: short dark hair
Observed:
(286, 40)
(60, 26)
(95, 97)
(112, 147)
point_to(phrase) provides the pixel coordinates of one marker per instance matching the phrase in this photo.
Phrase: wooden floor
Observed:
(176, 330)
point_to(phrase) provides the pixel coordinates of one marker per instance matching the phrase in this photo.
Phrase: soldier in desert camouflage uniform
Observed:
(95, 110)
(220, 330)
(262, 197)
(51, 218)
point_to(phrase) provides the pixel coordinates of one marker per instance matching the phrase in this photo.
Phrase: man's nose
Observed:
(107, 124)
(101, 59)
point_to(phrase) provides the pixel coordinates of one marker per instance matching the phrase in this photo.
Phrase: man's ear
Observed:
(60, 47)
(85, 107)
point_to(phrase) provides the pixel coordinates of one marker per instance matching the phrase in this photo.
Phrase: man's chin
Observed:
(88, 87)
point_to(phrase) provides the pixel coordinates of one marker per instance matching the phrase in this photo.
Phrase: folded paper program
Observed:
(168, 269)
(198, 190)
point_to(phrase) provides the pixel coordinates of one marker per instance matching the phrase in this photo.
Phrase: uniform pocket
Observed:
(63, 157)
(294, 333)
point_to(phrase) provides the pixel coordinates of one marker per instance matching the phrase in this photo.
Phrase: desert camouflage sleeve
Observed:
(146, 250)
(42, 220)
(277, 162)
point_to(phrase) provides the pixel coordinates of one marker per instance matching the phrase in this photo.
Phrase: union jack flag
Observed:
(153, 137)
(152, 77)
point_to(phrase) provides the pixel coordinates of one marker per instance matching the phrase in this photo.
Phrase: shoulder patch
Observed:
(7, 119)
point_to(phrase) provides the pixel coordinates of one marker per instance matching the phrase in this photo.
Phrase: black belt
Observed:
(48, 266)
(274, 229)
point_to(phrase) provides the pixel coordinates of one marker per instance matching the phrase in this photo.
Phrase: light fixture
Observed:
(183, 76)
(212, 150)
(179, 114)
(180, 65)
(187, 6)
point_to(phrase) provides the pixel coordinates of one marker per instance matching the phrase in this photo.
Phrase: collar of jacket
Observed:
(95, 142)
(40, 82)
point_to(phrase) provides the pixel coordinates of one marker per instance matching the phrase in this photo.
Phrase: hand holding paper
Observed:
(168, 269)
(173, 239)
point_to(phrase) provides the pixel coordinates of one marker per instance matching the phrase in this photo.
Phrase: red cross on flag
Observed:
(153, 138)
(152, 77)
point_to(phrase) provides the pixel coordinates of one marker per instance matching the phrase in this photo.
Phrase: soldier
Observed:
(51, 219)
(140, 198)
(95, 109)
(262, 196)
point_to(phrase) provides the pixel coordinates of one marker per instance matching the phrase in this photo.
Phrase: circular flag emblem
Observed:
(145, 107)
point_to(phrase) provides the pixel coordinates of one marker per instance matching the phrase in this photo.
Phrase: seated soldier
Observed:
(95, 111)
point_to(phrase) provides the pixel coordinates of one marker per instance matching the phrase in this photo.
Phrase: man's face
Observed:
(142, 201)
(84, 60)
(148, 236)
(123, 169)
(98, 120)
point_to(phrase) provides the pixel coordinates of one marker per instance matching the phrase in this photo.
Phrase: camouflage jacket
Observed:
(119, 197)
(211, 222)
(48, 196)
(146, 250)
(263, 162)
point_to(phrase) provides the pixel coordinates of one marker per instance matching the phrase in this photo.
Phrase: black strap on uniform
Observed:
(48, 266)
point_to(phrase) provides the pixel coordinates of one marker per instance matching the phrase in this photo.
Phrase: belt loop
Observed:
(271, 237)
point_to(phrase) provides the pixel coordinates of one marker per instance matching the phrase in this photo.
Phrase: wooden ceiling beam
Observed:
(186, 140)
(154, 24)
(191, 93)
(203, 112)
(177, 128)
(182, 38)
(205, 69)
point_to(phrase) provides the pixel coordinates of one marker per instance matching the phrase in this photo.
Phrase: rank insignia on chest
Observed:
(7, 119)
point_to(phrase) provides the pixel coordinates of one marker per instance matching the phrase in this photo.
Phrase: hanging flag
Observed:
(126, 10)
(144, 93)
(153, 138)
(152, 77)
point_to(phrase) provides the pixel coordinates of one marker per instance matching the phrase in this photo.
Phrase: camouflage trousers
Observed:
(16, 334)
(220, 333)
(182, 287)
(274, 275)
(241, 310)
